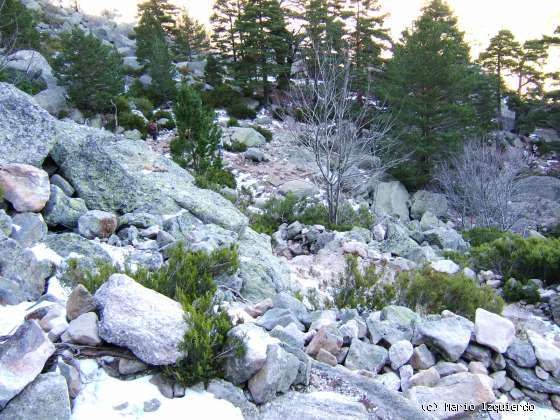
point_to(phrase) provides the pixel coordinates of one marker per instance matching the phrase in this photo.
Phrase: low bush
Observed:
(131, 121)
(267, 134)
(429, 291)
(222, 96)
(241, 111)
(91, 276)
(215, 179)
(232, 122)
(122, 104)
(521, 258)
(144, 105)
(362, 289)
(288, 209)
(236, 147)
(483, 235)
(515, 290)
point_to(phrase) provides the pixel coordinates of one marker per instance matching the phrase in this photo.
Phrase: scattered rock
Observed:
(449, 336)
(22, 357)
(26, 187)
(62, 210)
(80, 301)
(429, 377)
(400, 353)
(422, 358)
(97, 224)
(423, 201)
(493, 331)
(278, 373)
(326, 357)
(546, 352)
(46, 398)
(299, 188)
(327, 338)
(522, 353)
(84, 330)
(29, 229)
(366, 356)
(150, 324)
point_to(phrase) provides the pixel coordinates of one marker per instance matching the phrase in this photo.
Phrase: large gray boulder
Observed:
(124, 176)
(494, 331)
(366, 356)
(244, 135)
(22, 357)
(423, 201)
(446, 238)
(312, 406)
(150, 324)
(299, 188)
(62, 210)
(65, 244)
(528, 379)
(240, 368)
(27, 132)
(46, 398)
(261, 274)
(276, 376)
(22, 276)
(391, 198)
(26, 187)
(458, 390)
(537, 202)
(449, 336)
(29, 229)
(398, 241)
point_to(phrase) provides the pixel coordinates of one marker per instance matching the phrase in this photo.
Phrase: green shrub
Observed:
(432, 292)
(82, 272)
(267, 134)
(236, 147)
(17, 26)
(222, 96)
(131, 121)
(232, 122)
(288, 209)
(521, 290)
(144, 105)
(122, 104)
(482, 235)
(241, 111)
(134, 72)
(215, 179)
(362, 289)
(521, 258)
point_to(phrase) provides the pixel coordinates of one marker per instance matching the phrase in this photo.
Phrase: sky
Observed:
(479, 19)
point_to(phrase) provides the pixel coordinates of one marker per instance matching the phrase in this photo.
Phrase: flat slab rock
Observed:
(148, 323)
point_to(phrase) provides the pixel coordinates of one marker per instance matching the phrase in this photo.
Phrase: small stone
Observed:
(422, 358)
(555, 400)
(447, 368)
(84, 330)
(400, 353)
(541, 373)
(516, 394)
(508, 385)
(326, 357)
(326, 338)
(499, 379)
(131, 366)
(151, 405)
(428, 377)
(477, 367)
(79, 302)
(493, 331)
(97, 224)
(389, 380)
(405, 372)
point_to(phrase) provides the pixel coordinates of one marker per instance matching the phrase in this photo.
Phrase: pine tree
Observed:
(225, 34)
(17, 29)
(431, 85)
(213, 73)
(164, 12)
(198, 137)
(367, 39)
(500, 59)
(530, 68)
(265, 47)
(91, 70)
(152, 49)
(191, 37)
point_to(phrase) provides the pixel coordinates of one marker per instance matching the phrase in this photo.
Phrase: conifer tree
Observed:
(152, 49)
(225, 34)
(432, 86)
(265, 47)
(191, 37)
(213, 73)
(198, 137)
(91, 71)
(367, 39)
(530, 68)
(501, 58)
(17, 29)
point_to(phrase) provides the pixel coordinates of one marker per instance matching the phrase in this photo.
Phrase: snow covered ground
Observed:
(108, 398)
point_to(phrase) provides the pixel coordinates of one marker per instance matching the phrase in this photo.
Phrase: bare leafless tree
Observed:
(482, 182)
(339, 129)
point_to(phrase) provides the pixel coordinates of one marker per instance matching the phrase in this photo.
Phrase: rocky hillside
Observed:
(394, 314)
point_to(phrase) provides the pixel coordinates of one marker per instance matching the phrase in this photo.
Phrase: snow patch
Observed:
(11, 316)
(44, 253)
(99, 398)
